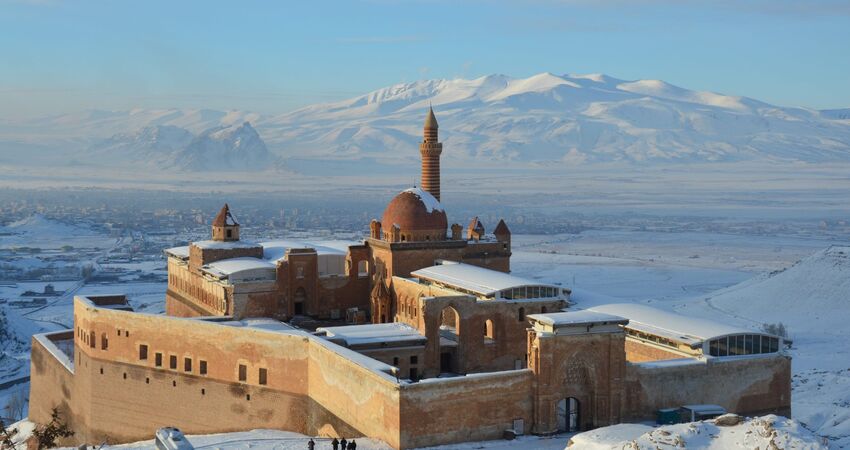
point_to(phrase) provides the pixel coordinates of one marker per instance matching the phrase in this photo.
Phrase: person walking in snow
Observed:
(343, 444)
(311, 445)
(335, 444)
(352, 445)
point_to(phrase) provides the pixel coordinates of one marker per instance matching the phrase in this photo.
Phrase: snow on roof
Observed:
(263, 324)
(473, 278)
(179, 252)
(395, 332)
(226, 267)
(52, 342)
(276, 250)
(223, 245)
(430, 202)
(691, 330)
(584, 317)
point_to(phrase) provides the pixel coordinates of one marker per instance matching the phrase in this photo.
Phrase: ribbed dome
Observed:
(415, 210)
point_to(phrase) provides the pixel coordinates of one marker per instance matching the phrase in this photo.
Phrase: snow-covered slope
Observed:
(768, 432)
(812, 300)
(542, 118)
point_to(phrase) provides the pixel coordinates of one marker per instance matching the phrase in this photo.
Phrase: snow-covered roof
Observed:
(224, 245)
(430, 202)
(276, 250)
(179, 252)
(583, 317)
(473, 278)
(226, 267)
(370, 334)
(689, 330)
(263, 324)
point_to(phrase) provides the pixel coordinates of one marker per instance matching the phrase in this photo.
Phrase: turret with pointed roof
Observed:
(224, 226)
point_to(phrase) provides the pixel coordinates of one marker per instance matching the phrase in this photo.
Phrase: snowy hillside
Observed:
(768, 432)
(543, 118)
(812, 300)
(234, 147)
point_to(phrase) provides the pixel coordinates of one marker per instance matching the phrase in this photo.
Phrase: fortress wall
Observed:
(52, 385)
(471, 408)
(312, 387)
(751, 385)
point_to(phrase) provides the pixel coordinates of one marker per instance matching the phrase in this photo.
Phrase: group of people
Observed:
(335, 444)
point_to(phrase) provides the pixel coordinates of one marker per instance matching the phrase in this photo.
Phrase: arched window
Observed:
(363, 268)
(489, 331)
(299, 300)
(521, 314)
(104, 342)
(449, 321)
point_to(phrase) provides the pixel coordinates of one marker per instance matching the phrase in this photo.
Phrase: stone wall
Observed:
(471, 408)
(642, 352)
(749, 385)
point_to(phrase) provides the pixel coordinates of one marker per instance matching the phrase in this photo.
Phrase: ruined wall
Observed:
(471, 408)
(310, 386)
(751, 385)
(642, 352)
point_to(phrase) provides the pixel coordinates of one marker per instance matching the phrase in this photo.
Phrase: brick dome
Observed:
(418, 215)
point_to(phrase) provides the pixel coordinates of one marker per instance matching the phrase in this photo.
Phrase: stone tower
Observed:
(224, 226)
(430, 150)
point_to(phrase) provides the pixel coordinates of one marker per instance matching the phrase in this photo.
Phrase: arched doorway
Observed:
(568, 413)
(450, 330)
(298, 301)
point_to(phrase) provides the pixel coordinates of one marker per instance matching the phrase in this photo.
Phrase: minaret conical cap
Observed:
(431, 120)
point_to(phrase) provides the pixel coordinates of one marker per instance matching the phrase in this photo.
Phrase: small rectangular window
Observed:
(172, 362)
(187, 364)
(263, 377)
(158, 359)
(243, 372)
(395, 360)
(143, 352)
(202, 367)
(414, 359)
(414, 373)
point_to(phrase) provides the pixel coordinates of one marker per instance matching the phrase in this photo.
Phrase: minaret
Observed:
(431, 150)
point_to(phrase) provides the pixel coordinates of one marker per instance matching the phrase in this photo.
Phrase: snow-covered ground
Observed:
(768, 432)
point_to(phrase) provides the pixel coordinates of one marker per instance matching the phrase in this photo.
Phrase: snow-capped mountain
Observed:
(570, 118)
(542, 119)
(236, 147)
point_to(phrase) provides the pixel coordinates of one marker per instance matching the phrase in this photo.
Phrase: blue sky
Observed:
(59, 56)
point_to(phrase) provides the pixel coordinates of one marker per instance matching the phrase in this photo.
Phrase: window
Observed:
(263, 377)
(414, 359)
(414, 373)
(187, 364)
(395, 361)
(363, 269)
(172, 362)
(243, 372)
(299, 272)
(158, 359)
(104, 342)
(521, 314)
(143, 352)
(202, 367)
(91, 339)
(229, 233)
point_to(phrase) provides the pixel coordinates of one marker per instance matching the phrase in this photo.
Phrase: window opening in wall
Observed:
(174, 383)
(395, 361)
(363, 269)
(521, 314)
(229, 233)
(101, 370)
(414, 359)
(248, 397)
(158, 359)
(172, 362)
(126, 333)
(91, 340)
(243, 372)
(104, 342)
(125, 375)
(203, 391)
(147, 380)
(263, 377)
(187, 364)
(202, 367)
(414, 374)
(143, 352)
